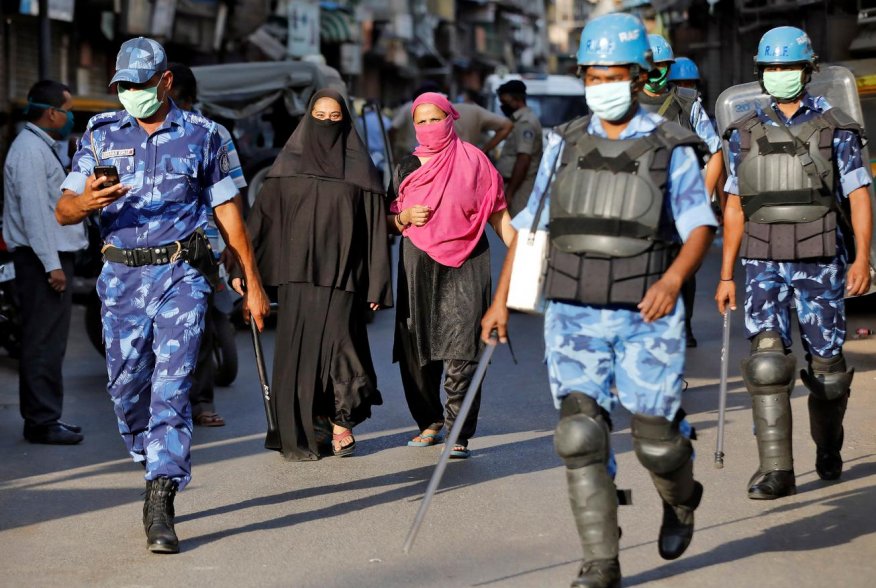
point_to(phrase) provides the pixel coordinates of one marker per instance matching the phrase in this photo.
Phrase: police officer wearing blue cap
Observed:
(799, 215)
(629, 221)
(158, 267)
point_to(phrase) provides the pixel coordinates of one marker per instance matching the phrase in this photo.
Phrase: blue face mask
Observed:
(65, 130)
(611, 101)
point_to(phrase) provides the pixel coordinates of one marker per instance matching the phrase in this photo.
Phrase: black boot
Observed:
(829, 385)
(677, 529)
(158, 516)
(772, 485)
(599, 574)
(826, 425)
(772, 425)
(594, 506)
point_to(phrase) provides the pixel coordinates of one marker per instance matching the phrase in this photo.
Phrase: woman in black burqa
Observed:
(319, 230)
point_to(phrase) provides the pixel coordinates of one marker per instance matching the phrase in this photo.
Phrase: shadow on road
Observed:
(841, 524)
(412, 487)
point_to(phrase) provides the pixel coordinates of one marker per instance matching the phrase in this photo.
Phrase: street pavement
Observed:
(71, 516)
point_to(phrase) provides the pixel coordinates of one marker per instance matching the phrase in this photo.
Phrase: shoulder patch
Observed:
(224, 162)
(528, 134)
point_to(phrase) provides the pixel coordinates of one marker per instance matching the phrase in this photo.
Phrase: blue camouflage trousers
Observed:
(590, 349)
(817, 290)
(153, 319)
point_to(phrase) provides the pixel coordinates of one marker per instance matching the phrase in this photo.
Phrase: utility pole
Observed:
(45, 39)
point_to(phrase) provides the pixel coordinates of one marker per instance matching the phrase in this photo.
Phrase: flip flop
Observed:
(209, 419)
(343, 450)
(460, 452)
(430, 440)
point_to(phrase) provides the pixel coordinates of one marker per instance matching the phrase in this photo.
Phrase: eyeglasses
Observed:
(132, 86)
(332, 116)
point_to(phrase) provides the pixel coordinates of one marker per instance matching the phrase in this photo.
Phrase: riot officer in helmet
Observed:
(798, 214)
(613, 314)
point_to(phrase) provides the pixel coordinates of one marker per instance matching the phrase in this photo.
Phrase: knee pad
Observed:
(582, 435)
(659, 445)
(770, 368)
(827, 377)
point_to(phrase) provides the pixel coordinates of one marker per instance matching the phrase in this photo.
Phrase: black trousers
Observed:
(45, 321)
(688, 295)
(422, 385)
(203, 388)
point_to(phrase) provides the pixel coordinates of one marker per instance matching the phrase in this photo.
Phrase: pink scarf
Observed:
(458, 184)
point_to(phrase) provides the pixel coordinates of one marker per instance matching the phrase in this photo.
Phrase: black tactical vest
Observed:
(609, 239)
(675, 106)
(787, 185)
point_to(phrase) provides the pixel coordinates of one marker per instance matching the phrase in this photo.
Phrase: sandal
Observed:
(209, 419)
(340, 450)
(460, 452)
(425, 440)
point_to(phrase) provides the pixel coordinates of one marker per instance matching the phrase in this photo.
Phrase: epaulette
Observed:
(197, 119)
(104, 118)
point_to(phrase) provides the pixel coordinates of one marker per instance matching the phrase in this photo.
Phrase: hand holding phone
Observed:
(109, 172)
(99, 195)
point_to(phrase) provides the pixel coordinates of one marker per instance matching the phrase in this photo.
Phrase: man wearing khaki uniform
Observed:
(522, 150)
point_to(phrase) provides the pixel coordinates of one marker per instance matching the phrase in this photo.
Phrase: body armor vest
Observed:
(674, 106)
(609, 239)
(787, 186)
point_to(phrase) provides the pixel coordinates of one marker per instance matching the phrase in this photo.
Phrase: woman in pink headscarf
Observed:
(448, 193)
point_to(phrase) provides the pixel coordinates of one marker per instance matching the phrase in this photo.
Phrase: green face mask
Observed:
(140, 103)
(784, 85)
(655, 85)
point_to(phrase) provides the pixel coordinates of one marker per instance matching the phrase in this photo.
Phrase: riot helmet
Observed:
(613, 40)
(784, 51)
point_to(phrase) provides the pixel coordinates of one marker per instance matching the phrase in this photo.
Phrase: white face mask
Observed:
(609, 101)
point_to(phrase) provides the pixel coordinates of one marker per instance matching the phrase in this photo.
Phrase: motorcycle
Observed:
(10, 318)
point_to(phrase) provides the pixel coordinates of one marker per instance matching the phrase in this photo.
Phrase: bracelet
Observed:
(399, 222)
(726, 279)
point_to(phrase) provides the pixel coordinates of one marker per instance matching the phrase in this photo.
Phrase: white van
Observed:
(554, 99)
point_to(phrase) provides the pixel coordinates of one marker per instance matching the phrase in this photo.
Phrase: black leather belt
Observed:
(140, 256)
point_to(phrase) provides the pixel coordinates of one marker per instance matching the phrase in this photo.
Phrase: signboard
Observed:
(303, 29)
(58, 9)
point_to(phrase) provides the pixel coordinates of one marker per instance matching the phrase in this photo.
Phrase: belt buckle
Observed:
(138, 257)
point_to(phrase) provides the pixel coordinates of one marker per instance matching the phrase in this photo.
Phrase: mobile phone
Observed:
(110, 172)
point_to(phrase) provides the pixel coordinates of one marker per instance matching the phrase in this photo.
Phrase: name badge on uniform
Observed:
(117, 153)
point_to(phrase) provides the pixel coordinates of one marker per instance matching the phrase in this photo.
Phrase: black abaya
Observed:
(319, 233)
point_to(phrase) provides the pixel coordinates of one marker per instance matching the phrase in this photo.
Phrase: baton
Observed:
(263, 380)
(452, 436)
(722, 391)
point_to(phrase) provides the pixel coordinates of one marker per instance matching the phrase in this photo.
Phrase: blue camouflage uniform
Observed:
(817, 288)
(153, 315)
(591, 348)
(703, 127)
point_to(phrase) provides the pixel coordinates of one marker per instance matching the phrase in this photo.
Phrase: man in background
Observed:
(42, 252)
(475, 122)
(521, 153)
